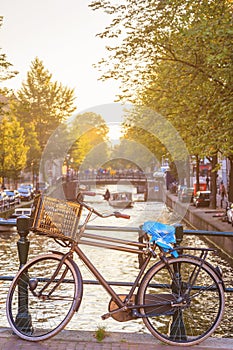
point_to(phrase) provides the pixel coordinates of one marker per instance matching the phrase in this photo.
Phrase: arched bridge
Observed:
(107, 179)
(144, 183)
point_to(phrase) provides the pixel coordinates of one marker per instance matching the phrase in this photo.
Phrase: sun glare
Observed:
(115, 132)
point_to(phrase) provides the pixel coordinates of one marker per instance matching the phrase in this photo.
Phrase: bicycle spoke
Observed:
(40, 305)
(194, 311)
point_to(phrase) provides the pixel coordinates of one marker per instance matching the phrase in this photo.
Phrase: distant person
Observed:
(223, 193)
(207, 183)
(107, 195)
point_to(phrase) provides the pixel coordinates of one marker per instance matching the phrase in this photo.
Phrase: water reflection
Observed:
(114, 265)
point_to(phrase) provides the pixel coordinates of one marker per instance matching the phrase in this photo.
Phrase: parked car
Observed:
(25, 194)
(4, 201)
(229, 212)
(42, 187)
(201, 187)
(17, 197)
(30, 187)
(14, 196)
(158, 175)
(202, 198)
(11, 196)
(186, 194)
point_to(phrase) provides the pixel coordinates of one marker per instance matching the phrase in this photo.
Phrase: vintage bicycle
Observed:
(170, 295)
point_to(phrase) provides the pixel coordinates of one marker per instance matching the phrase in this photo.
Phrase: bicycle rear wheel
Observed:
(39, 307)
(185, 301)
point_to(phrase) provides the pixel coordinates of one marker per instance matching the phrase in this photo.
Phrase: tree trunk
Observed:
(197, 173)
(213, 199)
(188, 171)
(230, 189)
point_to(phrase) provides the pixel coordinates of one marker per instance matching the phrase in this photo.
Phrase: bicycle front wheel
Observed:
(184, 298)
(44, 296)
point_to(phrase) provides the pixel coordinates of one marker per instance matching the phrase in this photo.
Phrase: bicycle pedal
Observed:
(105, 316)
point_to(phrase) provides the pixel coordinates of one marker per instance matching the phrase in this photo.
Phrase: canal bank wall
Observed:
(204, 219)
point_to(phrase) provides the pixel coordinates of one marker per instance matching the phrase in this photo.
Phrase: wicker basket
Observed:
(56, 218)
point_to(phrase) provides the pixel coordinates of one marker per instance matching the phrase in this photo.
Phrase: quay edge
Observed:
(203, 219)
(84, 340)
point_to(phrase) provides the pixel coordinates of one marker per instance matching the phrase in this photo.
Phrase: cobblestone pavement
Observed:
(85, 340)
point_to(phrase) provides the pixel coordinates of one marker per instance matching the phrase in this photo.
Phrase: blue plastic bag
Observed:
(163, 235)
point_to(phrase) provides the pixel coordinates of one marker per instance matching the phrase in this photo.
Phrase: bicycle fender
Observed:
(152, 267)
(216, 269)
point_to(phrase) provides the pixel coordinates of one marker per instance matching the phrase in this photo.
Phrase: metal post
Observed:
(179, 233)
(177, 329)
(23, 225)
(141, 235)
(23, 318)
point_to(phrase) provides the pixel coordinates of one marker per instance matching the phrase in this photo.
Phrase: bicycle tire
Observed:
(183, 324)
(32, 313)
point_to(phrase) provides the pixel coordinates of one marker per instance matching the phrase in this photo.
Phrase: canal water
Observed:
(114, 265)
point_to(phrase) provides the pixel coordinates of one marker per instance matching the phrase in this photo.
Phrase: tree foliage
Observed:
(88, 132)
(12, 149)
(154, 31)
(43, 102)
(175, 57)
(6, 72)
(5, 66)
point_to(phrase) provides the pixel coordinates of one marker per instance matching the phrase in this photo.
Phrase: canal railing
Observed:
(23, 244)
(133, 178)
(23, 228)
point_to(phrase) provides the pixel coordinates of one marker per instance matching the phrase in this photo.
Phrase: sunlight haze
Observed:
(63, 35)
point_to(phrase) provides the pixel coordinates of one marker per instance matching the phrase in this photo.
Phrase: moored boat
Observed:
(8, 224)
(21, 211)
(121, 200)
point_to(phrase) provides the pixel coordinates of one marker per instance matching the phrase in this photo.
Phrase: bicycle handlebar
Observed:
(120, 215)
(79, 199)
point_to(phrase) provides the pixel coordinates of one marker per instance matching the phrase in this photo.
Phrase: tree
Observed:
(176, 58)
(96, 156)
(157, 134)
(192, 101)
(42, 102)
(145, 138)
(150, 32)
(88, 131)
(5, 73)
(41, 107)
(13, 152)
(230, 189)
(134, 152)
(73, 143)
(34, 151)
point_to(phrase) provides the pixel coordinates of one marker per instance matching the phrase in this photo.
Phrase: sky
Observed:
(61, 33)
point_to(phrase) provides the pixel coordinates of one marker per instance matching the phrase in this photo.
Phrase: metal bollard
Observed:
(23, 226)
(179, 233)
(23, 318)
(177, 330)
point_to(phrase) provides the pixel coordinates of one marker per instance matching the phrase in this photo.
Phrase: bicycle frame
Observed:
(147, 249)
(143, 248)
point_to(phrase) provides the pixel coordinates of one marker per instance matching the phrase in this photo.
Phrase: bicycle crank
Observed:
(122, 314)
